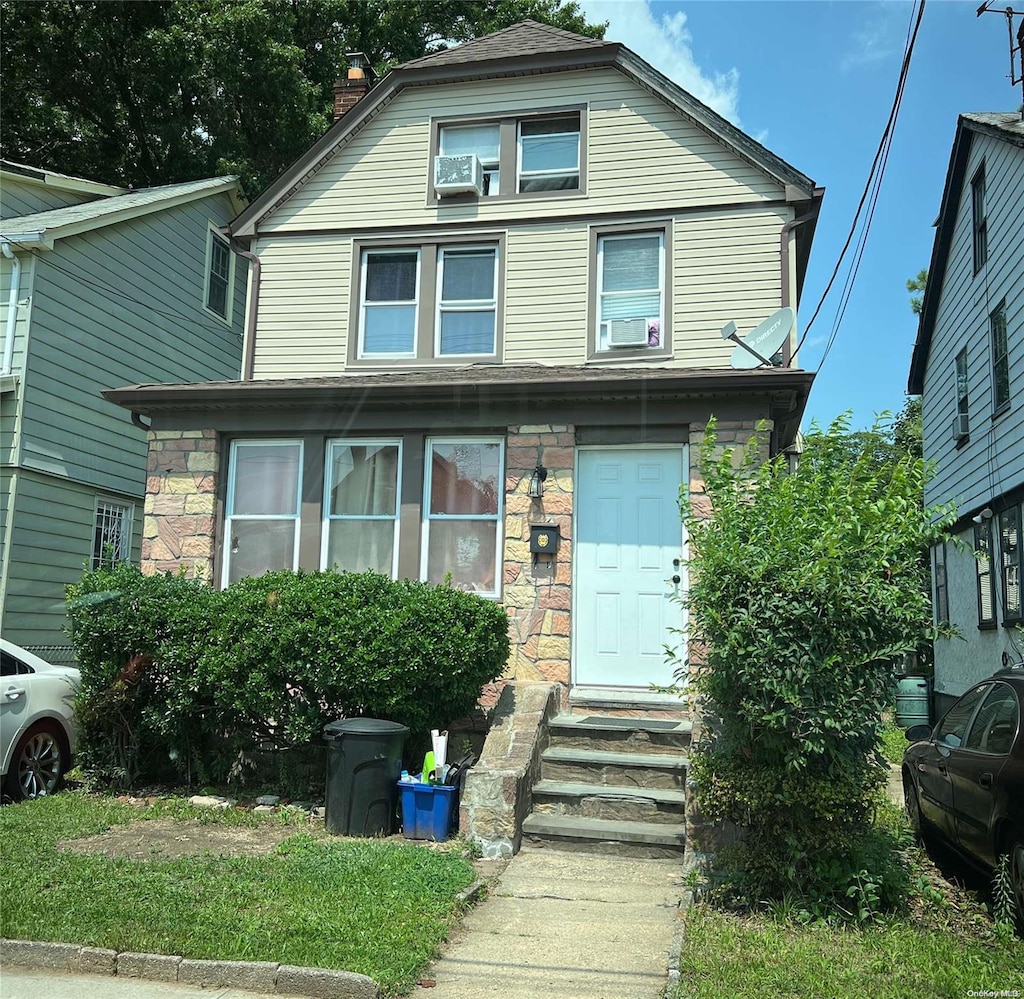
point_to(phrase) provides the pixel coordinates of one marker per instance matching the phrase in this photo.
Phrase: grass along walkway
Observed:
(374, 907)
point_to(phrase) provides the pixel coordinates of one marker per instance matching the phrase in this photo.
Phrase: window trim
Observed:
(463, 305)
(979, 218)
(429, 246)
(229, 499)
(363, 305)
(214, 234)
(999, 360)
(644, 228)
(127, 508)
(327, 517)
(508, 154)
(540, 174)
(498, 518)
(983, 542)
(1011, 560)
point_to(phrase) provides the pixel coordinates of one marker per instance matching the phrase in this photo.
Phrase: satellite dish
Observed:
(758, 346)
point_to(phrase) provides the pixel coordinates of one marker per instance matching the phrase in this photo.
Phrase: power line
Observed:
(872, 184)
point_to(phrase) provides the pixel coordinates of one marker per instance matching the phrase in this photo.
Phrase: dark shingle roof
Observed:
(521, 39)
(1004, 124)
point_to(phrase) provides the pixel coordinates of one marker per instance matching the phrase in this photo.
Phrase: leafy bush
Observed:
(177, 674)
(805, 585)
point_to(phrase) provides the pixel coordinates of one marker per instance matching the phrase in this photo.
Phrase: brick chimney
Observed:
(348, 92)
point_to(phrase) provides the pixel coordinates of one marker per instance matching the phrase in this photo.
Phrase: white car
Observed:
(37, 725)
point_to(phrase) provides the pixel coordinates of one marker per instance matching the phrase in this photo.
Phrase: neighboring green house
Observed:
(99, 286)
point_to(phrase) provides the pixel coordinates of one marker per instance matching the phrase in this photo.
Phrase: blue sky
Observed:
(814, 81)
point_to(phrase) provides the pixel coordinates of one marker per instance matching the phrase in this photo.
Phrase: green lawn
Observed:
(374, 907)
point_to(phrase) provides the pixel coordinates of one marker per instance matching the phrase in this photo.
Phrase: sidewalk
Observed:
(570, 925)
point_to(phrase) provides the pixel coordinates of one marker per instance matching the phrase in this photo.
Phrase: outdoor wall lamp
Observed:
(984, 515)
(536, 490)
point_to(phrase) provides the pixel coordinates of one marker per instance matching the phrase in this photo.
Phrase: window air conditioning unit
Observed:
(627, 333)
(961, 427)
(458, 174)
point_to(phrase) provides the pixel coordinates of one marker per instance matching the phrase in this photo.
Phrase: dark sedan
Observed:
(963, 780)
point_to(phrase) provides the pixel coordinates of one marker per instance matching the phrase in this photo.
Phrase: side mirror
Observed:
(917, 733)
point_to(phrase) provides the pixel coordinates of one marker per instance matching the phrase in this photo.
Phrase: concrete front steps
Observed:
(612, 785)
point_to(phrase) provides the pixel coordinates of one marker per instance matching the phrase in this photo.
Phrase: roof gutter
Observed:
(12, 302)
(787, 293)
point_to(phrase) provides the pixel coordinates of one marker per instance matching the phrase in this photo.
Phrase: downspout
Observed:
(784, 241)
(249, 355)
(12, 308)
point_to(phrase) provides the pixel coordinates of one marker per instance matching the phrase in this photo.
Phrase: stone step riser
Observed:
(624, 741)
(613, 774)
(607, 848)
(600, 806)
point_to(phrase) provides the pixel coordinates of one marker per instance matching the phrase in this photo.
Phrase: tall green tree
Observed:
(166, 91)
(917, 285)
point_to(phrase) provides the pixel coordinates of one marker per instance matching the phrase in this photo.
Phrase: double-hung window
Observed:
(218, 276)
(549, 154)
(389, 297)
(464, 497)
(985, 578)
(482, 141)
(262, 523)
(467, 301)
(630, 291)
(361, 505)
(979, 221)
(1000, 359)
(1010, 560)
(961, 424)
(112, 534)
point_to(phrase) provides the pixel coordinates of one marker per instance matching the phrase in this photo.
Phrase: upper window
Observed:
(517, 154)
(465, 488)
(430, 302)
(961, 423)
(1000, 359)
(979, 222)
(262, 523)
(218, 276)
(112, 534)
(985, 579)
(630, 293)
(1010, 560)
(361, 506)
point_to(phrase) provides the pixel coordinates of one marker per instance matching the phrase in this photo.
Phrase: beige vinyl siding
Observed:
(725, 265)
(640, 152)
(992, 461)
(304, 305)
(50, 548)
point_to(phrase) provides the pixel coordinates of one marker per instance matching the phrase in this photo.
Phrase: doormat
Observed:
(647, 723)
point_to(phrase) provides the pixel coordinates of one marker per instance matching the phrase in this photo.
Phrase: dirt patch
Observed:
(167, 839)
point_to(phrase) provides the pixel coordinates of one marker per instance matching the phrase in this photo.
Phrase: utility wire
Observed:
(881, 155)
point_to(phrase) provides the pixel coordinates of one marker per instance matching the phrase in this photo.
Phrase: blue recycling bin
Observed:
(427, 810)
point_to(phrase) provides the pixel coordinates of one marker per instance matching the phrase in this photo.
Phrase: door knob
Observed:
(675, 579)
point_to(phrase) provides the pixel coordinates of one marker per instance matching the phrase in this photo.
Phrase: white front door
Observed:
(628, 534)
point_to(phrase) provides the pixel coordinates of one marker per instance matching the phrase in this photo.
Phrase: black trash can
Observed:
(364, 762)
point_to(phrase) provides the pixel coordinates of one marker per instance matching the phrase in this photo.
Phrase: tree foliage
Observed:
(173, 90)
(805, 586)
(917, 285)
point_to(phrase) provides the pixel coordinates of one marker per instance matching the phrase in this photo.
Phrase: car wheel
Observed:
(913, 806)
(38, 764)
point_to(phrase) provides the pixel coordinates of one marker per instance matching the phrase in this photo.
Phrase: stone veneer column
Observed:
(538, 597)
(179, 529)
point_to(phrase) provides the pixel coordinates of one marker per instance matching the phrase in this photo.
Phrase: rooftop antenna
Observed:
(762, 343)
(1016, 51)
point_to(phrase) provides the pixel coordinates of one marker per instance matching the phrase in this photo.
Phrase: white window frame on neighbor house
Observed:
(215, 239)
(599, 346)
(497, 518)
(962, 389)
(232, 519)
(112, 532)
(366, 307)
(331, 519)
(467, 305)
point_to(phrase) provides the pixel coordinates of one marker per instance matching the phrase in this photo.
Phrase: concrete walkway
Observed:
(570, 925)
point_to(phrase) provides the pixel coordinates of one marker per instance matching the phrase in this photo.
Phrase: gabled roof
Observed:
(522, 49)
(42, 228)
(60, 181)
(1006, 126)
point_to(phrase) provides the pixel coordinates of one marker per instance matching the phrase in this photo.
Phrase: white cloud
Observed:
(665, 43)
(883, 36)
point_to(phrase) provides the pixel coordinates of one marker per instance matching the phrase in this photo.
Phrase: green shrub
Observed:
(805, 586)
(177, 675)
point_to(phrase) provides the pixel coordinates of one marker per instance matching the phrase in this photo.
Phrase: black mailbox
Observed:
(544, 539)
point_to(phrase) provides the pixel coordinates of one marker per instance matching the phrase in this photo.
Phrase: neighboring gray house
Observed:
(968, 365)
(99, 285)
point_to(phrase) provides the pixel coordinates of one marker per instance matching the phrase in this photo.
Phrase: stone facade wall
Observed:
(538, 594)
(181, 484)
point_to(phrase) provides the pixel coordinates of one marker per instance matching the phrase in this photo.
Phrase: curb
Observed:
(255, 976)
